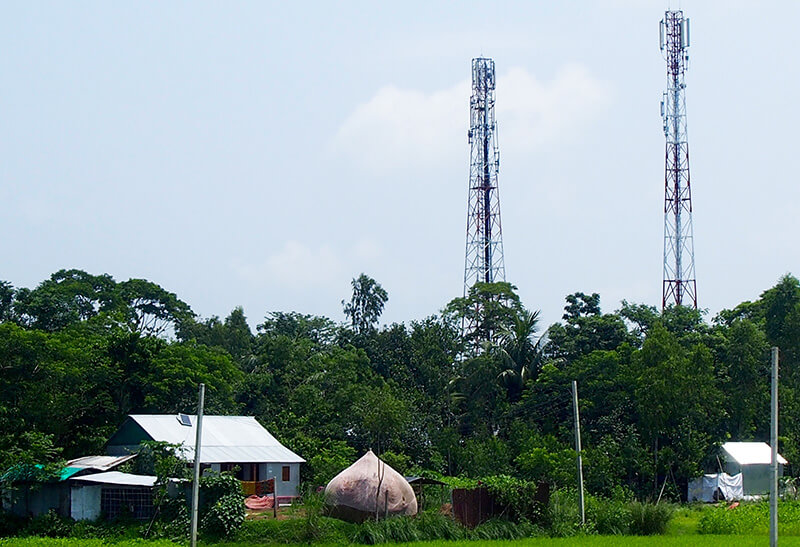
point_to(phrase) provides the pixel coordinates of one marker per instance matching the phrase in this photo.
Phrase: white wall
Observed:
(85, 502)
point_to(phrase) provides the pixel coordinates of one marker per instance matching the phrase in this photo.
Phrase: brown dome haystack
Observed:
(368, 488)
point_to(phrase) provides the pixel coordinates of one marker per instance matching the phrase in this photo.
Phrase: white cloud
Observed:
(300, 266)
(531, 113)
(407, 127)
(294, 266)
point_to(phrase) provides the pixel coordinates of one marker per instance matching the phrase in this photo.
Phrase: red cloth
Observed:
(258, 502)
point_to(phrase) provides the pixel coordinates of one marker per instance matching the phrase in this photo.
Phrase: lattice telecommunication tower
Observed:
(679, 284)
(484, 253)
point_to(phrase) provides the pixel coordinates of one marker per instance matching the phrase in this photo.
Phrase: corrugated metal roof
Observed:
(102, 463)
(119, 479)
(751, 453)
(226, 439)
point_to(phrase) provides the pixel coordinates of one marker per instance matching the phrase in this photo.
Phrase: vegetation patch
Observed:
(750, 519)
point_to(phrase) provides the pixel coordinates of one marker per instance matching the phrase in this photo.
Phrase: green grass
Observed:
(685, 521)
(81, 542)
(582, 541)
(596, 541)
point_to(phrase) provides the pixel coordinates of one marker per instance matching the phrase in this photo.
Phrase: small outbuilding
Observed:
(752, 460)
(229, 443)
(80, 492)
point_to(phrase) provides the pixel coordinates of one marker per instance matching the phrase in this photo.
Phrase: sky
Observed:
(263, 154)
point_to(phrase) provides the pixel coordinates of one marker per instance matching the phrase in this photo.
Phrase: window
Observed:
(286, 473)
(133, 502)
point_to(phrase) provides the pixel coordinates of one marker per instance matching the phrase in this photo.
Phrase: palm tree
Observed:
(521, 352)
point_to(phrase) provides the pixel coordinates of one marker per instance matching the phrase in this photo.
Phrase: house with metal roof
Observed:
(229, 443)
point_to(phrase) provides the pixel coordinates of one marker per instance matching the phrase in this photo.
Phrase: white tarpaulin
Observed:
(715, 487)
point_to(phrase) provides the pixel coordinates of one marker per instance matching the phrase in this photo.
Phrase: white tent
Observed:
(716, 486)
(752, 460)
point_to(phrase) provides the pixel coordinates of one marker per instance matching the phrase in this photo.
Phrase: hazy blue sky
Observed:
(262, 154)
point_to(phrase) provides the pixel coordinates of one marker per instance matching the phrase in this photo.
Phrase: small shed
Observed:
(752, 460)
(82, 494)
(229, 443)
(111, 494)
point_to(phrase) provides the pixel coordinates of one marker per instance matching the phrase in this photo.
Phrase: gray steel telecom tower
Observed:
(484, 254)
(679, 284)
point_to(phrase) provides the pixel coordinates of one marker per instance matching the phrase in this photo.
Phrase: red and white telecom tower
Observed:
(484, 252)
(679, 284)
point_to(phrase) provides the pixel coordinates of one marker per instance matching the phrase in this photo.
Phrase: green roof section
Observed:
(67, 472)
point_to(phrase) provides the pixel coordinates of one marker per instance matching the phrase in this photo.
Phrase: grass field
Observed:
(588, 541)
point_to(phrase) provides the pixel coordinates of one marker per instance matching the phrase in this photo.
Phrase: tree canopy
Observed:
(659, 390)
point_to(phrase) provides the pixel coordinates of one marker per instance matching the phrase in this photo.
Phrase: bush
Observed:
(519, 496)
(617, 516)
(750, 519)
(647, 519)
(295, 531)
(225, 517)
(10, 524)
(221, 504)
(391, 530)
(172, 520)
(608, 516)
(49, 524)
(563, 516)
(434, 525)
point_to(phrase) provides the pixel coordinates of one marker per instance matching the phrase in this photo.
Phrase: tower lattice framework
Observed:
(679, 284)
(484, 253)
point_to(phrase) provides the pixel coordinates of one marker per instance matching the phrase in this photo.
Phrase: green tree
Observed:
(383, 416)
(522, 353)
(69, 296)
(677, 401)
(490, 307)
(366, 304)
(6, 301)
(586, 329)
(152, 310)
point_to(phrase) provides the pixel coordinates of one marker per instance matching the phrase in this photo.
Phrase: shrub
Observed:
(171, 522)
(519, 496)
(391, 530)
(434, 525)
(563, 516)
(224, 517)
(294, 531)
(608, 516)
(618, 516)
(49, 524)
(647, 519)
(10, 524)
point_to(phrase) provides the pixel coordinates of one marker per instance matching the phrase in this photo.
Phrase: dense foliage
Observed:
(658, 390)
